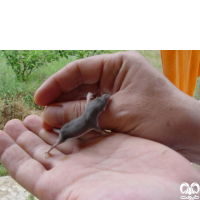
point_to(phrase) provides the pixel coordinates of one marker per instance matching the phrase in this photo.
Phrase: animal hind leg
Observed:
(103, 132)
(89, 96)
(48, 152)
(107, 132)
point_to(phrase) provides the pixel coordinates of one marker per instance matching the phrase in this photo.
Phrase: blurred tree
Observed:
(23, 62)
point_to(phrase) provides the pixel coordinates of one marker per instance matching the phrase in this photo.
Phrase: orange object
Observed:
(182, 67)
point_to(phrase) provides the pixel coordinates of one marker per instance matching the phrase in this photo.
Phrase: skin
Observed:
(121, 166)
(144, 102)
(111, 167)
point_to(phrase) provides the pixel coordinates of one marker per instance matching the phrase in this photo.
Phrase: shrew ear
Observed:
(56, 130)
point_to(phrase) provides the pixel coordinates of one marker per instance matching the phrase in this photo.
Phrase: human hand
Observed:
(144, 102)
(115, 167)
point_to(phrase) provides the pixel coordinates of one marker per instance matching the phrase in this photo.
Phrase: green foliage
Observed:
(30, 197)
(24, 62)
(3, 171)
(29, 101)
(86, 53)
(10, 86)
(80, 53)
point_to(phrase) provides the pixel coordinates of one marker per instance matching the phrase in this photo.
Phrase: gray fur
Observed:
(86, 122)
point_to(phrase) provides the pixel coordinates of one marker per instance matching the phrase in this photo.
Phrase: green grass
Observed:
(10, 87)
(44, 72)
(197, 90)
(30, 197)
(153, 56)
(3, 171)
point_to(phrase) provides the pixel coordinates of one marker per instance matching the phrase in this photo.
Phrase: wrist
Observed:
(186, 130)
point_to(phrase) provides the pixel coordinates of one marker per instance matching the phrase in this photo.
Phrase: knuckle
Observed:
(78, 110)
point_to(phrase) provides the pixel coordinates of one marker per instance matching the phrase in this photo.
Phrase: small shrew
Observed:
(86, 122)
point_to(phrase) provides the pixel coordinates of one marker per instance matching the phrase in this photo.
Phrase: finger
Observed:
(102, 69)
(46, 126)
(58, 114)
(111, 119)
(30, 142)
(34, 124)
(51, 138)
(79, 93)
(19, 164)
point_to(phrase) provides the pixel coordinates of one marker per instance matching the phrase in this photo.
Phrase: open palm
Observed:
(110, 167)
